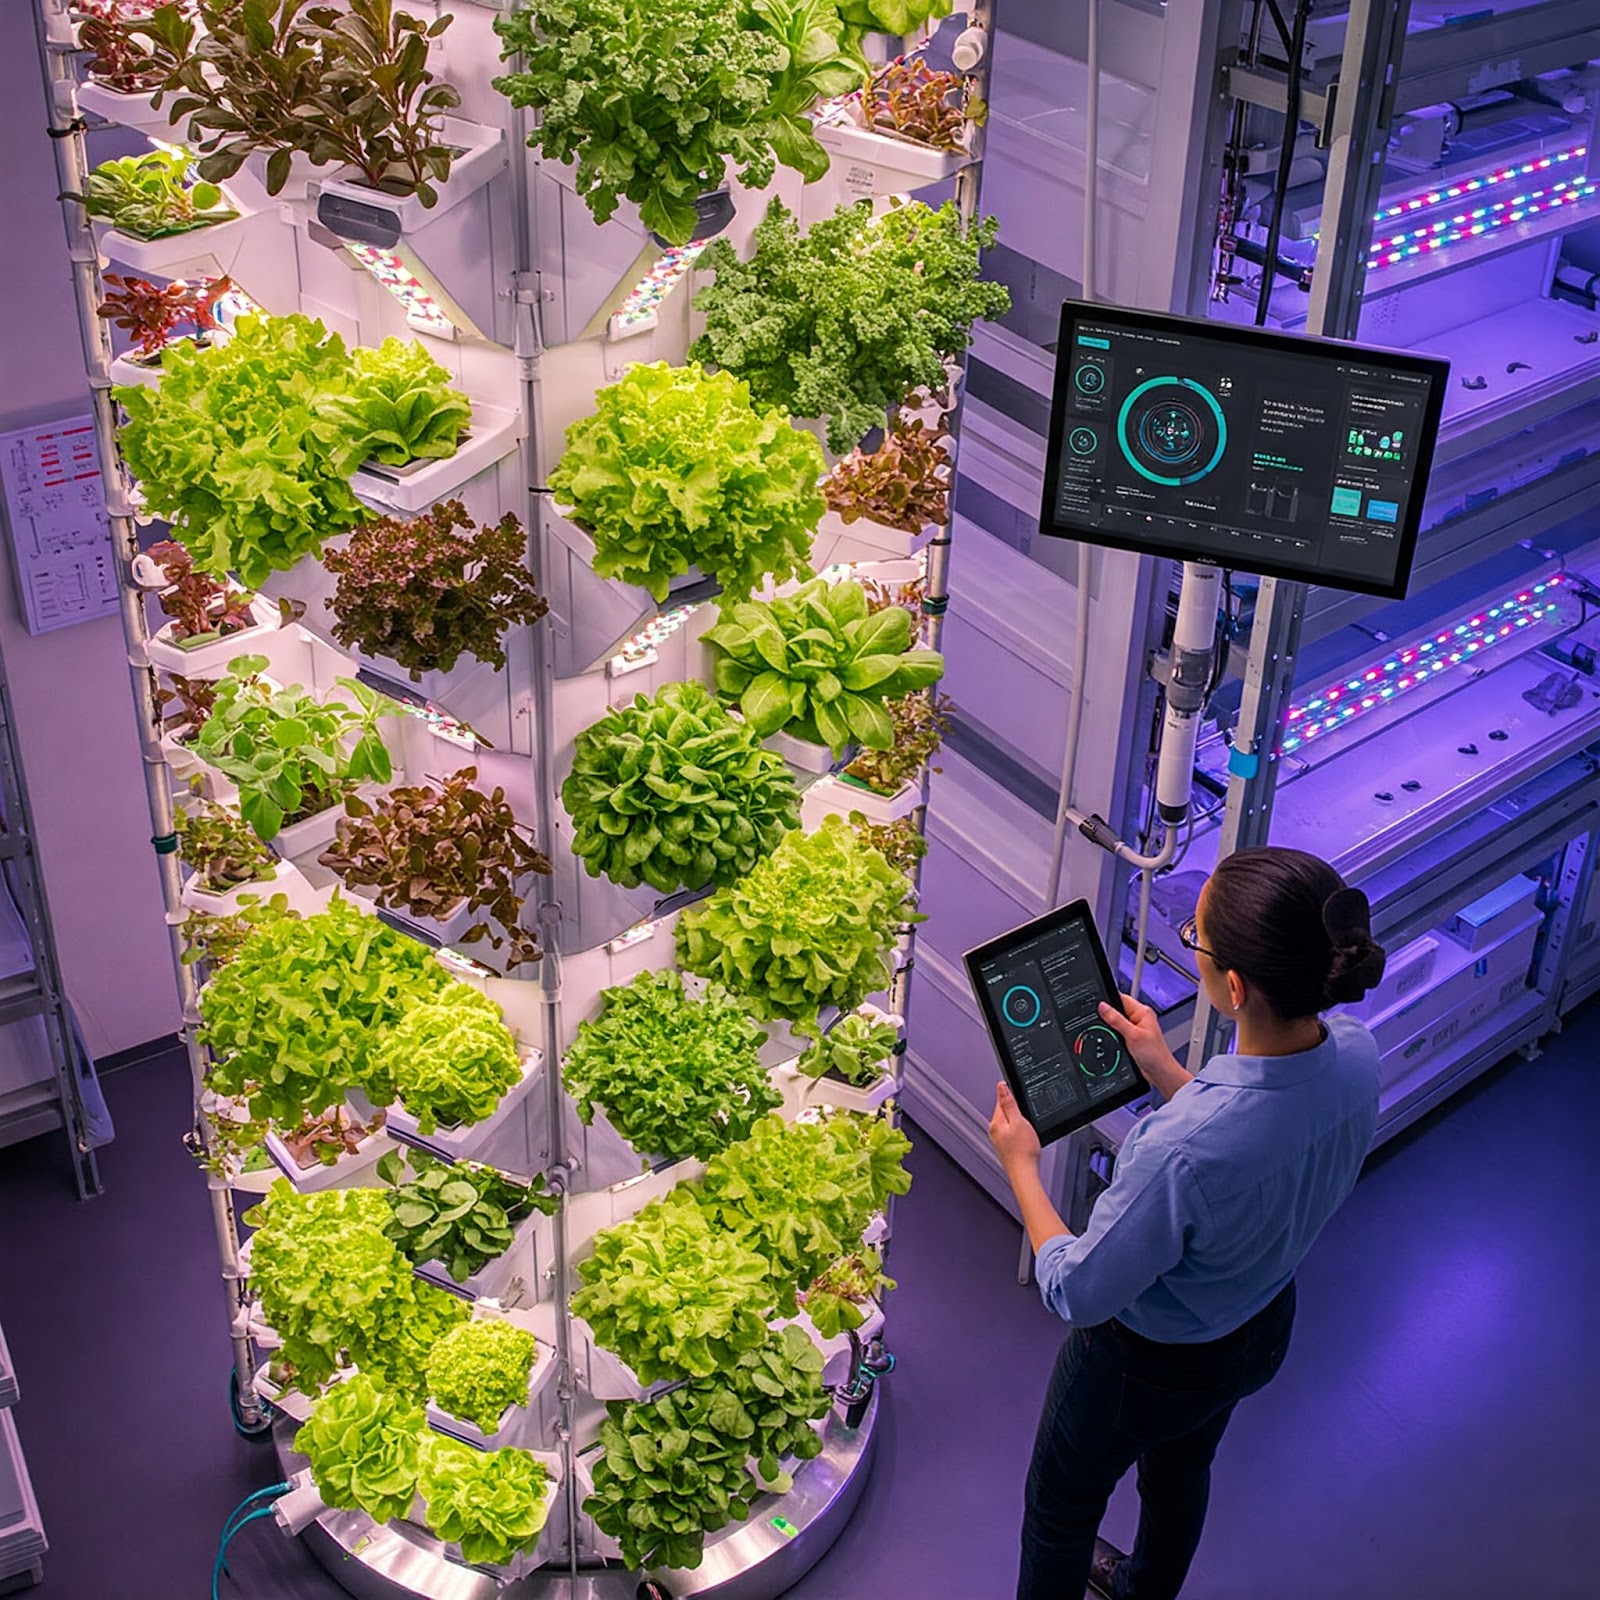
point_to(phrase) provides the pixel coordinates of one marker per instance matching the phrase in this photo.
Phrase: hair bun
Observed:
(1357, 965)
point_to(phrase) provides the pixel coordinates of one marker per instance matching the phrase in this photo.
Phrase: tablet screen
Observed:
(1040, 987)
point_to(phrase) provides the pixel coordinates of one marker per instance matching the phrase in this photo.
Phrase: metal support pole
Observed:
(1374, 38)
(57, 44)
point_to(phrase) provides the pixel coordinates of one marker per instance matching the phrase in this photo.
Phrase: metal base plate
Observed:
(785, 1537)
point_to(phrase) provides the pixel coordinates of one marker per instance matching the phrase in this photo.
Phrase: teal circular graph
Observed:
(1164, 431)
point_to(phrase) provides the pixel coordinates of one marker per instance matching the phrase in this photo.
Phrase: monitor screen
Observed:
(1295, 457)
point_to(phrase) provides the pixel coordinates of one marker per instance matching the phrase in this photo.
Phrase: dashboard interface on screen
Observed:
(1299, 457)
(1041, 988)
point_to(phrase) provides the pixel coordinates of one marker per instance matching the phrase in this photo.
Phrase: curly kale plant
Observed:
(811, 926)
(854, 1050)
(818, 665)
(457, 1213)
(362, 1443)
(678, 1468)
(239, 446)
(449, 1061)
(296, 1018)
(424, 591)
(671, 1293)
(654, 102)
(840, 322)
(677, 469)
(477, 1370)
(800, 1194)
(400, 401)
(676, 1076)
(674, 792)
(338, 1293)
(492, 1503)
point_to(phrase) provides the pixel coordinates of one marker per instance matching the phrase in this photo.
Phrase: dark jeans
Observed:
(1115, 1399)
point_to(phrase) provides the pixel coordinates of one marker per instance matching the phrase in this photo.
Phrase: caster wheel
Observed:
(261, 1428)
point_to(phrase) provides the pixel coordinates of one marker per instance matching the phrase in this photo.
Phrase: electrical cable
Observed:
(242, 1515)
(1291, 133)
(1279, 23)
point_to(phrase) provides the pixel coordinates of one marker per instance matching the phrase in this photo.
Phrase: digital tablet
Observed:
(1040, 987)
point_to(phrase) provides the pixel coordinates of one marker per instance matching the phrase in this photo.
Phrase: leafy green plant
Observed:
(818, 665)
(291, 754)
(671, 1293)
(811, 926)
(294, 1019)
(821, 60)
(654, 103)
(323, 1138)
(800, 1194)
(840, 322)
(202, 608)
(853, 1050)
(119, 60)
(837, 1297)
(338, 1293)
(216, 940)
(435, 849)
(901, 843)
(194, 698)
(899, 17)
(347, 84)
(676, 1076)
(457, 1213)
(153, 313)
(908, 98)
(677, 1468)
(904, 483)
(149, 197)
(492, 1503)
(362, 1443)
(221, 849)
(674, 792)
(477, 1370)
(677, 468)
(450, 1060)
(424, 591)
(239, 449)
(400, 401)
(920, 721)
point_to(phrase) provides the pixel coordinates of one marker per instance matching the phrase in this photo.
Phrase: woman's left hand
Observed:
(1011, 1134)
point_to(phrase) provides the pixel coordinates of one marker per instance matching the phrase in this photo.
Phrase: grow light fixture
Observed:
(1448, 194)
(638, 312)
(401, 278)
(1420, 662)
(643, 649)
(1477, 221)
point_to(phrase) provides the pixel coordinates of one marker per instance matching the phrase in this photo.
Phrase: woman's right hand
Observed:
(1141, 1031)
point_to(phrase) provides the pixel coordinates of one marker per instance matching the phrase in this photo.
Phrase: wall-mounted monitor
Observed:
(1293, 457)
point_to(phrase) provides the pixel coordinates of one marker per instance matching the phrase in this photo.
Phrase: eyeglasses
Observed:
(1189, 938)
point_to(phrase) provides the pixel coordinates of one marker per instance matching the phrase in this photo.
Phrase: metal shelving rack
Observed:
(36, 991)
(526, 287)
(1516, 476)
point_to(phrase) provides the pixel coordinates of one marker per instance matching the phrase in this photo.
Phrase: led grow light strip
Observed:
(1419, 663)
(641, 649)
(1449, 194)
(637, 313)
(1481, 220)
(396, 275)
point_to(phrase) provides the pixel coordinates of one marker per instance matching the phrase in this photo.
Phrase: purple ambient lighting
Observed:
(1418, 663)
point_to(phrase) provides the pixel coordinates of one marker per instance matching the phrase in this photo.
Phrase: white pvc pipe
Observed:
(1091, 156)
(1066, 816)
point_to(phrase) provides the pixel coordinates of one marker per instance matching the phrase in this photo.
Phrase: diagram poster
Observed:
(56, 510)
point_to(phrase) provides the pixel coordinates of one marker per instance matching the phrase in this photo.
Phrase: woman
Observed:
(1180, 1291)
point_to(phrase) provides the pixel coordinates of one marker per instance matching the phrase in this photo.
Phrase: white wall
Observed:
(70, 690)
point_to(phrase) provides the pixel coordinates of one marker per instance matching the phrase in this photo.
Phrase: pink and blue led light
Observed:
(1479, 220)
(1420, 662)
